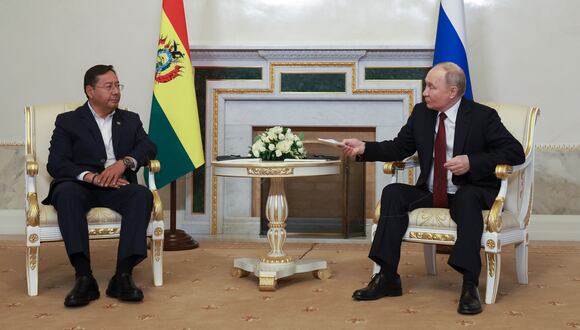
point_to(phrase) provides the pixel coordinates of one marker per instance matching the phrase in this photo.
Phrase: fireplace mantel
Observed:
(307, 88)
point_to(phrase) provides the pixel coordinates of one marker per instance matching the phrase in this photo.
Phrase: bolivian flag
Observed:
(174, 122)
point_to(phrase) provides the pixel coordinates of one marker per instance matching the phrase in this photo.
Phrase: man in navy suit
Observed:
(459, 142)
(95, 152)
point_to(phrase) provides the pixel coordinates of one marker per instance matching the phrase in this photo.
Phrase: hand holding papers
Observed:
(331, 142)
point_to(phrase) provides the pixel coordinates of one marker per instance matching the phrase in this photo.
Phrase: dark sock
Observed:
(125, 265)
(470, 277)
(82, 264)
(389, 273)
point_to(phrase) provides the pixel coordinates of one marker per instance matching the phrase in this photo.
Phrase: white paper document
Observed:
(331, 142)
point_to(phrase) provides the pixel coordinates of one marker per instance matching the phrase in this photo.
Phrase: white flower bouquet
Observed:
(278, 143)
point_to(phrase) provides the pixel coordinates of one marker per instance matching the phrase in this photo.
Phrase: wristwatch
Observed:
(128, 162)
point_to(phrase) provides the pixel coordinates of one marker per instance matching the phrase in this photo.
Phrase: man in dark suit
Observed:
(459, 143)
(95, 152)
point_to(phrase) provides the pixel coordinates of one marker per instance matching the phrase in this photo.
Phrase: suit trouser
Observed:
(465, 209)
(74, 199)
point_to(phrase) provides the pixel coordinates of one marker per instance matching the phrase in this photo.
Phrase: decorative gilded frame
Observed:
(270, 90)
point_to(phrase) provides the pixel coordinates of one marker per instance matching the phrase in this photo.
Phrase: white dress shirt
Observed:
(105, 126)
(451, 114)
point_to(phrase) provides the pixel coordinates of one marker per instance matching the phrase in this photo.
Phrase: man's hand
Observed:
(353, 147)
(458, 165)
(111, 176)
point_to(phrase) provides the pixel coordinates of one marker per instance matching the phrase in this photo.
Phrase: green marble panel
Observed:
(202, 75)
(313, 82)
(390, 73)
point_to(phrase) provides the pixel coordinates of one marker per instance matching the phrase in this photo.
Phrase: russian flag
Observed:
(450, 40)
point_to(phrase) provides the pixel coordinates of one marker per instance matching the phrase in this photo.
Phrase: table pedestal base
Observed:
(269, 273)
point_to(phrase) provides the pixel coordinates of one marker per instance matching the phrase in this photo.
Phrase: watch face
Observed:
(127, 162)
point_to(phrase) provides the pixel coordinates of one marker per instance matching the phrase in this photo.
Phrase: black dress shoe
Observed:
(379, 287)
(469, 302)
(122, 287)
(85, 290)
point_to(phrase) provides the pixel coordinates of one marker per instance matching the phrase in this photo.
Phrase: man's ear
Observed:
(453, 92)
(89, 90)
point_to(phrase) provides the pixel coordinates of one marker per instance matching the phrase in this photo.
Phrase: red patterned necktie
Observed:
(439, 171)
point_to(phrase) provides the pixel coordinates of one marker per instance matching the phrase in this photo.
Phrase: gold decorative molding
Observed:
(558, 147)
(392, 167)
(33, 238)
(270, 90)
(32, 257)
(239, 273)
(157, 206)
(491, 263)
(530, 131)
(33, 211)
(104, 231)
(31, 168)
(503, 171)
(276, 260)
(494, 221)
(158, 248)
(490, 244)
(267, 283)
(28, 115)
(154, 166)
(276, 225)
(529, 213)
(377, 213)
(213, 205)
(270, 171)
(432, 236)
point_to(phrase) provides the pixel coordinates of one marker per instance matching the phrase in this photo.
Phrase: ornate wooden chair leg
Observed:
(157, 252)
(493, 273)
(522, 262)
(429, 250)
(32, 251)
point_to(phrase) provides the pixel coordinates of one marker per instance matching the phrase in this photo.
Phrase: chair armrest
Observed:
(32, 207)
(494, 221)
(393, 167)
(154, 167)
(31, 165)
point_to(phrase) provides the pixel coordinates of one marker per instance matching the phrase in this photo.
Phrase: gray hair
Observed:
(454, 75)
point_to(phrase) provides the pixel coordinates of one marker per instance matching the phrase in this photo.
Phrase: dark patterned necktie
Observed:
(439, 171)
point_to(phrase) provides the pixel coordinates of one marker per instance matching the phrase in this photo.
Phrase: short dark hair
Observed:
(93, 73)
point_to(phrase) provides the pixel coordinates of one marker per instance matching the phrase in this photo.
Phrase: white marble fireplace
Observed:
(234, 107)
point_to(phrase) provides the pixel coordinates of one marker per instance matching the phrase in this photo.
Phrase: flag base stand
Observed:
(178, 240)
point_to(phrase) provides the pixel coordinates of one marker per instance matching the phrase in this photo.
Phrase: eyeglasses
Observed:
(111, 87)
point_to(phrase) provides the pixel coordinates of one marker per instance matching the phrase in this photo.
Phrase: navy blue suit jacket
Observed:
(77, 145)
(479, 134)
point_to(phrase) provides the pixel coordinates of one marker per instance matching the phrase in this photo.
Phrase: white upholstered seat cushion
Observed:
(96, 216)
(438, 218)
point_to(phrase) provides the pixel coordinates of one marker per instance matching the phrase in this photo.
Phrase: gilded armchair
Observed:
(41, 220)
(507, 221)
